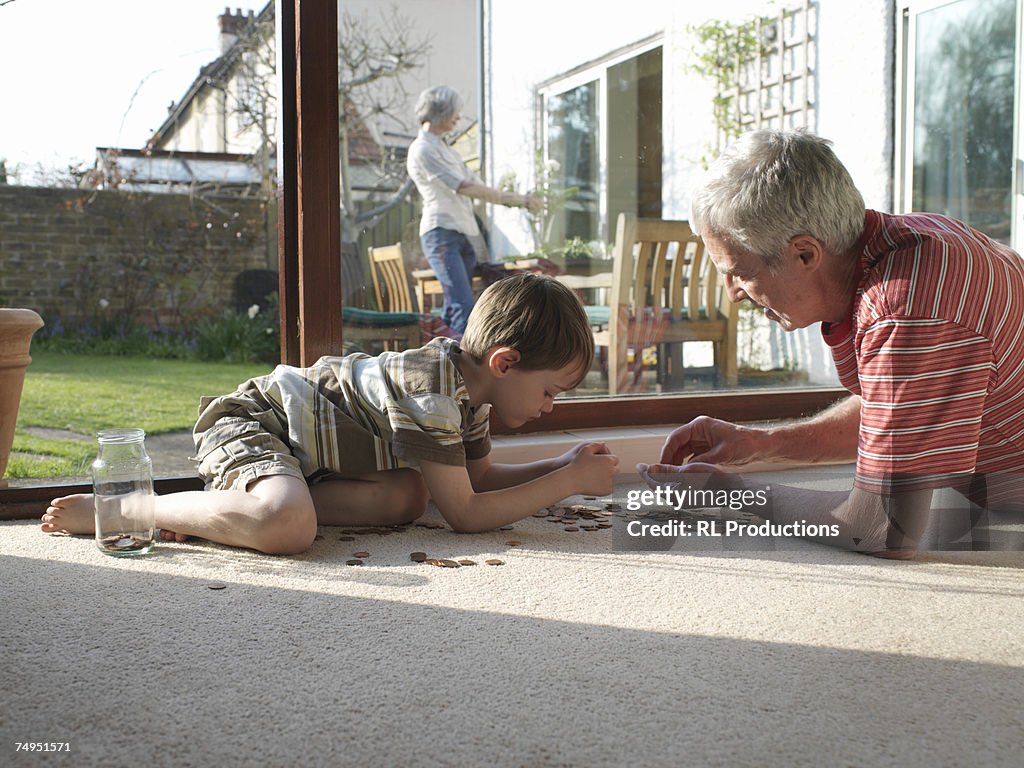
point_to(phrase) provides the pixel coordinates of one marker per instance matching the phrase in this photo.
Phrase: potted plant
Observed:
(16, 329)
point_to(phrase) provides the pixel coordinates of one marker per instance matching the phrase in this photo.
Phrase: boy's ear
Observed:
(501, 360)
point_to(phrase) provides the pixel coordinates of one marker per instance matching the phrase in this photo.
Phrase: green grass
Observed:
(86, 393)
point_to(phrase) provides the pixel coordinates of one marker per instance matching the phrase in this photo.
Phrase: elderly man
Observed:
(925, 319)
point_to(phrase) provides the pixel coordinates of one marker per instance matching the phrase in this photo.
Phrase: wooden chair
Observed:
(397, 325)
(390, 281)
(664, 292)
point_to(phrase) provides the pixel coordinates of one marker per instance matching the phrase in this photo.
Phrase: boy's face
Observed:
(521, 396)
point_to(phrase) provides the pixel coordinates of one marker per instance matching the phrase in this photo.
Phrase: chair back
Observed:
(662, 270)
(390, 281)
(665, 291)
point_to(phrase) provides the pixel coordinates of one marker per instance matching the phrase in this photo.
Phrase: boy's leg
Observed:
(389, 497)
(275, 515)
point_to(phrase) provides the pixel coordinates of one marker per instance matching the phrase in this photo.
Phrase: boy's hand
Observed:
(594, 467)
(569, 456)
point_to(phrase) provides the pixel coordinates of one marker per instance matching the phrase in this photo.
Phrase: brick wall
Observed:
(87, 257)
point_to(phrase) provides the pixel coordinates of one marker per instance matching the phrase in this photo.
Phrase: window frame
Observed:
(595, 71)
(310, 264)
(906, 14)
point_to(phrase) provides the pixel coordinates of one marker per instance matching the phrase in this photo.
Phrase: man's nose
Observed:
(734, 292)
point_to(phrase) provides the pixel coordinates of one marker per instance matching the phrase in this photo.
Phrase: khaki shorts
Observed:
(235, 451)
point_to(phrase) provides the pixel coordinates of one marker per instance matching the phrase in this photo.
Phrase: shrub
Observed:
(241, 337)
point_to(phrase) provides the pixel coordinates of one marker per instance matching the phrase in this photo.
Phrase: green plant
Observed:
(240, 337)
(578, 248)
(723, 49)
(551, 189)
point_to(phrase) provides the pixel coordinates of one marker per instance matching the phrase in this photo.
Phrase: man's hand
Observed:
(711, 441)
(695, 475)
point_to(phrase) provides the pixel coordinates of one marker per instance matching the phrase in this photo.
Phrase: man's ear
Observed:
(808, 250)
(501, 360)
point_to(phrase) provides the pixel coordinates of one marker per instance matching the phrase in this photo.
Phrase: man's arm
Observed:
(889, 524)
(827, 437)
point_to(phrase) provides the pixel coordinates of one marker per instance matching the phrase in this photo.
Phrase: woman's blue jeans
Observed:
(453, 260)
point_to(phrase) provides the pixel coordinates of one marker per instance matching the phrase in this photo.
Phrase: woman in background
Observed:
(448, 187)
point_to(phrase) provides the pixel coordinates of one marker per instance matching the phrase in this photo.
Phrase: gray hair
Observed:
(437, 104)
(770, 186)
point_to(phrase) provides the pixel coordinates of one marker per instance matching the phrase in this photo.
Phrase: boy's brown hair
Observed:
(535, 315)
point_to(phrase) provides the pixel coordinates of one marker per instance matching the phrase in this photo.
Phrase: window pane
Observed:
(573, 133)
(963, 113)
(138, 218)
(635, 137)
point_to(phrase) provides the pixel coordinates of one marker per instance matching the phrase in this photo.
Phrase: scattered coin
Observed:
(443, 563)
(506, 528)
(540, 514)
(353, 562)
(604, 525)
(495, 562)
(216, 585)
(467, 562)
(588, 527)
(571, 528)
(418, 557)
(360, 554)
(346, 538)
(513, 542)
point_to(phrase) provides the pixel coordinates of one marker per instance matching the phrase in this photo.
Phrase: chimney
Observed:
(231, 26)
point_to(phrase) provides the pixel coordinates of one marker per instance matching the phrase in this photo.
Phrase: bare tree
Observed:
(373, 58)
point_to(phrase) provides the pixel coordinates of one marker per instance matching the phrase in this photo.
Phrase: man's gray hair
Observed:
(770, 186)
(437, 104)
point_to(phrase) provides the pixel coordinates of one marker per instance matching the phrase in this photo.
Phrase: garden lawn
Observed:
(86, 393)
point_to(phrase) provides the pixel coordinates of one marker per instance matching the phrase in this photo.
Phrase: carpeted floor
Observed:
(568, 654)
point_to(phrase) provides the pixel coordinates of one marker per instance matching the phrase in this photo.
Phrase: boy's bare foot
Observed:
(70, 514)
(75, 514)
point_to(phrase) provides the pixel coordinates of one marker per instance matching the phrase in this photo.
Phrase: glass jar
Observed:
(122, 478)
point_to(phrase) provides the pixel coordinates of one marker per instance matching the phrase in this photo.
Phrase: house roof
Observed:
(363, 148)
(162, 170)
(211, 73)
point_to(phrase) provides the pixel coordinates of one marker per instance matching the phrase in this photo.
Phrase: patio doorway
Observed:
(960, 115)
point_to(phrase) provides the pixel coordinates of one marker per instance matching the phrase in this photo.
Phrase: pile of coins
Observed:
(580, 517)
(572, 518)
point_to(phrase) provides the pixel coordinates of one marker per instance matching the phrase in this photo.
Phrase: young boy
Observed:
(335, 444)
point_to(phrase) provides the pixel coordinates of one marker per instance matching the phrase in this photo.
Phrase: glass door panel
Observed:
(963, 113)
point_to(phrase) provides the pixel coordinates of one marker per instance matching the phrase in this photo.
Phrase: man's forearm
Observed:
(830, 436)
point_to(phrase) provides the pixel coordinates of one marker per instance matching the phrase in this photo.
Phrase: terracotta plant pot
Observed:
(16, 329)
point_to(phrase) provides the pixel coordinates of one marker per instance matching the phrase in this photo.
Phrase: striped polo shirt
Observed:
(934, 346)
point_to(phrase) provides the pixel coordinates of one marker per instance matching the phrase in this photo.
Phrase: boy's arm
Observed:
(486, 476)
(470, 511)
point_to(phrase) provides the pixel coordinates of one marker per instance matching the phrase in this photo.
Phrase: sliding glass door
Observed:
(959, 129)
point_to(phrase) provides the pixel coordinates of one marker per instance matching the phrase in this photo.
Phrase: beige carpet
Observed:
(569, 654)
